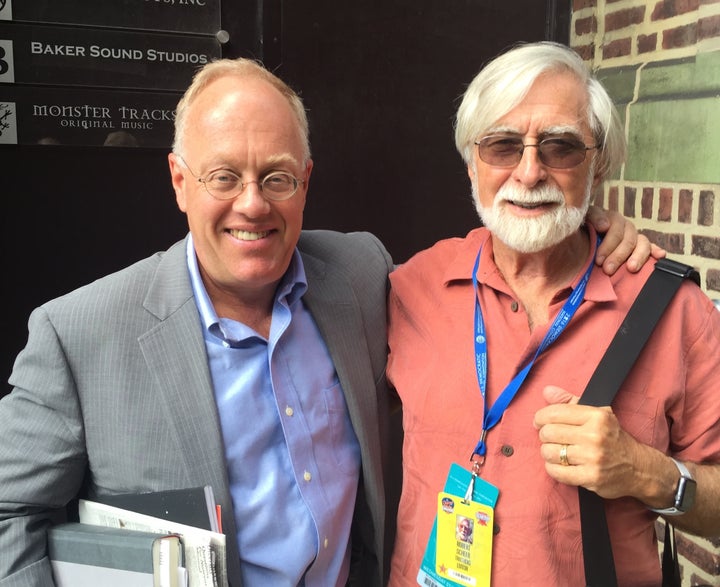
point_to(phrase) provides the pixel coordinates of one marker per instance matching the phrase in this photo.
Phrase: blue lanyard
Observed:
(495, 414)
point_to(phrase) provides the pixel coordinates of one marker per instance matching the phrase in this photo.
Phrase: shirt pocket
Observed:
(345, 447)
(640, 415)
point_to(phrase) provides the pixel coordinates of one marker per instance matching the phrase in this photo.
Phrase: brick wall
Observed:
(660, 60)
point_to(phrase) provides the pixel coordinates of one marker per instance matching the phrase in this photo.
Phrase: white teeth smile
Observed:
(245, 235)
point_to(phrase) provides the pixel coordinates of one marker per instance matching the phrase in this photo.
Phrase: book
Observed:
(204, 550)
(83, 555)
(194, 506)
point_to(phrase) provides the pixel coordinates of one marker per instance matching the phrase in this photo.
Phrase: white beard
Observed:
(531, 235)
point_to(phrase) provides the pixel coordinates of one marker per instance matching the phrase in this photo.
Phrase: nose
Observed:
(250, 201)
(530, 171)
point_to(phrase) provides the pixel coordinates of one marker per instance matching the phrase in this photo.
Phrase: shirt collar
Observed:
(293, 286)
(599, 287)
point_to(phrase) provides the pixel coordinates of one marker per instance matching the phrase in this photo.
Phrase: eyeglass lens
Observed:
(224, 185)
(559, 153)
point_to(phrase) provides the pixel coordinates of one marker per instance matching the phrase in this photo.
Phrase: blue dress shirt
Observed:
(292, 455)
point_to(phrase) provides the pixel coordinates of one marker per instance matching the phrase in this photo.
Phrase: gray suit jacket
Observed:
(113, 394)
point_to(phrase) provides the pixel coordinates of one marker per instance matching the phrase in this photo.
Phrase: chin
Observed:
(533, 235)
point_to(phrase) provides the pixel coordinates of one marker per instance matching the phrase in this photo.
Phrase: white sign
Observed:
(7, 67)
(5, 9)
(8, 124)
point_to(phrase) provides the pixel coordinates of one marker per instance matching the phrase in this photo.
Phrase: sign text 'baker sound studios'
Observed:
(106, 58)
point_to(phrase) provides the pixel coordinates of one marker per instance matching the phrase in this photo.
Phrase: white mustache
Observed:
(542, 195)
(530, 235)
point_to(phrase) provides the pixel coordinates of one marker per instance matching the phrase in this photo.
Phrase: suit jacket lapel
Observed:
(175, 353)
(336, 311)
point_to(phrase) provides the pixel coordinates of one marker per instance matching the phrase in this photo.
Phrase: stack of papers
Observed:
(148, 523)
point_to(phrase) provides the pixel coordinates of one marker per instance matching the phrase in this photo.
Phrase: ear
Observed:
(308, 171)
(597, 180)
(179, 182)
(598, 177)
(306, 184)
(471, 172)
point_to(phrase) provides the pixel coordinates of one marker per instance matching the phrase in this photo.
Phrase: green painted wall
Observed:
(674, 121)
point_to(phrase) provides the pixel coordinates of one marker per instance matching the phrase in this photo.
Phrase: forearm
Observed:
(33, 494)
(703, 518)
(42, 457)
(656, 484)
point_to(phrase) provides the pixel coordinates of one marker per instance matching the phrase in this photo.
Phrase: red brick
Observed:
(707, 208)
(685, 206)
(666, 200)
(682, 36)
(647, 43)
(618, 48)
(646, 203)
(709, 27)
(712, 280)
(702, 558)
(586, 52)
(669, 8)
(660, 529)
(613, 197)
(696, 579)
(699, 551)
(629, 202)
(624, 18)
(673, 243)
(706, 246)
(583, 26)
(597, 197)
(580, 4)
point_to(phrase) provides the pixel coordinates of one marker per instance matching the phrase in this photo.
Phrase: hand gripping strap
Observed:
(600, 391)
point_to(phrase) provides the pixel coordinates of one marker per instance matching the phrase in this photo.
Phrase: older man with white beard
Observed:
(494, 336)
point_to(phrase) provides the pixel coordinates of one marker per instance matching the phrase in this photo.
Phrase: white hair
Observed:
(505, 81)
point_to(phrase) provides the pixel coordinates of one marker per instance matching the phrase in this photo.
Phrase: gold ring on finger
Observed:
(563, 455)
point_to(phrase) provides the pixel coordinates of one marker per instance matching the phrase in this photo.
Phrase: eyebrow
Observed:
(281, 158)
(557, 130)
(271, 162)
(564, 129)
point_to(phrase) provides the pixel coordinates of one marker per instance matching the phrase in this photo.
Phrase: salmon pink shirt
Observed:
(671, 400)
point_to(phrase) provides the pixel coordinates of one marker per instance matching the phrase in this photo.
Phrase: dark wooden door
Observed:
(380, 78)
(382, 81)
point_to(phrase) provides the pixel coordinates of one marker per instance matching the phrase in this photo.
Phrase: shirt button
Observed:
(326, 542)
(307, 476)
(507, 450)
(289, 411)
(514, 306)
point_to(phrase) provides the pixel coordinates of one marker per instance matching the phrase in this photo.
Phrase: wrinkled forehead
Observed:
(233, 115)
(556, 103)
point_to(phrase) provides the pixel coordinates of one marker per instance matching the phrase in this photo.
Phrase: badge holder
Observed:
(459, 549)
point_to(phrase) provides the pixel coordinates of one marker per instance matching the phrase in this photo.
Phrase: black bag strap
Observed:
(670, 564)
(600, 391)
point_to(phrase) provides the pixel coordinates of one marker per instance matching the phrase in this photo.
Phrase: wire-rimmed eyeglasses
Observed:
(556, 152)
(223, 184)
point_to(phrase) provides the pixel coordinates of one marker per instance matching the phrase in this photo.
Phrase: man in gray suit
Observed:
(249, 356)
